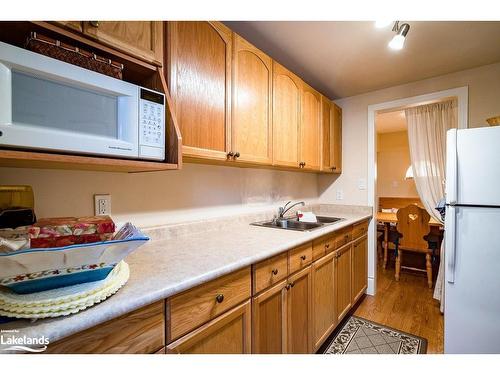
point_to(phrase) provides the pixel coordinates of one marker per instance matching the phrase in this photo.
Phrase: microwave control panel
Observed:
(151, 119)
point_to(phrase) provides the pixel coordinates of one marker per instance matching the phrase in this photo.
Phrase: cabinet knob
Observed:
(346, 236)
(292, 284)
(237, 154)
(303, 257)
(287, 287)
(219, 298)
(327, 246)
(275, 271)
(94, 23)
(230, 154)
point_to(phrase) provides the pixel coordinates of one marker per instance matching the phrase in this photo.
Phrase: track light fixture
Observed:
(401, 31)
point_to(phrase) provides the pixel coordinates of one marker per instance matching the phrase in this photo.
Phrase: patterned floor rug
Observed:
(361, 336)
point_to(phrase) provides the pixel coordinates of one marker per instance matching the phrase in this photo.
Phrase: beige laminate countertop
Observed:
(165, 267)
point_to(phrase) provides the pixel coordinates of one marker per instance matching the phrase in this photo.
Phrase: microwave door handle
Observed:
(5, 95)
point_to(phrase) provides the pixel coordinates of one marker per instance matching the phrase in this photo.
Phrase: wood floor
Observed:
(406, 305)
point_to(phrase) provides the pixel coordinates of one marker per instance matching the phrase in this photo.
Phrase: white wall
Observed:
(483, 82)
(148, 199)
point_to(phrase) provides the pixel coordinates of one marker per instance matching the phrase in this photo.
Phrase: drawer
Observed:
(269, 272)
(342, 237)
(359, 229)
(299, 257)
(323, 246)
(191, 309)
(141, 331)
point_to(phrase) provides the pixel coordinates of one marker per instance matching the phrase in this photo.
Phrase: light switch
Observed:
(362, 184)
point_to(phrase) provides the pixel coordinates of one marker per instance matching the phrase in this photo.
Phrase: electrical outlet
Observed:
(102, 204)
(340, 194)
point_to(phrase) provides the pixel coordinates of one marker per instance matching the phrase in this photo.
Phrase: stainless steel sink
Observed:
(294, 224)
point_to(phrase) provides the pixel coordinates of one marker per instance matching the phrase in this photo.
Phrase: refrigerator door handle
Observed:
(451, 167)
(450, 242)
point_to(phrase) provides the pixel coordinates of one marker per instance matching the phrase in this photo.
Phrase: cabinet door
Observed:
(251, 126)
(324, 318)
(227, 334)
(142, 39)
(343, 281)
(299, 313)
(325, 134)
(269, 320)
(336, 138)
(287, 93)
(310, 128)
(200, 84)
(359, 267)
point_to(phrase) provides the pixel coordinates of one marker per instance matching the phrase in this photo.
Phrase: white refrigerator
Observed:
(472, 241)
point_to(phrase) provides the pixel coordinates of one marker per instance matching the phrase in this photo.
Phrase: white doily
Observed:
(63, 301)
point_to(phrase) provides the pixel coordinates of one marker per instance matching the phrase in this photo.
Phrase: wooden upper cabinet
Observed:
(142, 39)
(330, 142)
(200, 84)
(310, 127)
(287, 93)
(73, 25)
(336, 138)
(251, 126)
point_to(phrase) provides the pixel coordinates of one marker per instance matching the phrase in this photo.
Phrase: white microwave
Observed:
(50, 105)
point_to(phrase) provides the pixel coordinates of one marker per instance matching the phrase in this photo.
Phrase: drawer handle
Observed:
(275, 271)
(219, 298)
(303, 257)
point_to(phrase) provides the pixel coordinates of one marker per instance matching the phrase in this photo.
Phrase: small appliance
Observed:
(51, 105)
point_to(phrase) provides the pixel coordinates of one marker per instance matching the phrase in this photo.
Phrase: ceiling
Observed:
(346, 58)
(389, 122)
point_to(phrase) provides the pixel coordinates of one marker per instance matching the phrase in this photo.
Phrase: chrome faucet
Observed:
(283, 210)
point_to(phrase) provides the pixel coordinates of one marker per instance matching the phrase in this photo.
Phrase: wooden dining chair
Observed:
(413, 225)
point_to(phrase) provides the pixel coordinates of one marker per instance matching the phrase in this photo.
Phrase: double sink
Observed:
(295, 224)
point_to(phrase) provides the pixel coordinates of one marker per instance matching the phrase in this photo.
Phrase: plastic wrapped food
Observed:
(64, 231)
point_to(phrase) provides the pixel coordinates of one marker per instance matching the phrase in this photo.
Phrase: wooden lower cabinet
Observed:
(269, 320)
(359, 267)
(324, 317)
(230, 333)
(343, 280)
(282, 316)
(298, 305)
(141, 331)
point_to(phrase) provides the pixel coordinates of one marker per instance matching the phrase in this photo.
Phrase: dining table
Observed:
(388, 218)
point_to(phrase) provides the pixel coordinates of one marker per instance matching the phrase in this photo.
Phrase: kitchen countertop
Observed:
(166, 266)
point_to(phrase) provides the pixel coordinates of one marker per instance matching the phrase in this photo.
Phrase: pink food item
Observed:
(63, 231)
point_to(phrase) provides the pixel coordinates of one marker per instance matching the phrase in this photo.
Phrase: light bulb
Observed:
(382, 23)
(397, 42)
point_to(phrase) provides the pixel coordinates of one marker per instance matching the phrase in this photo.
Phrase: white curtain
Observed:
(427, 127)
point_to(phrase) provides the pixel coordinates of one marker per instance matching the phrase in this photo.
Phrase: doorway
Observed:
(461, 93)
